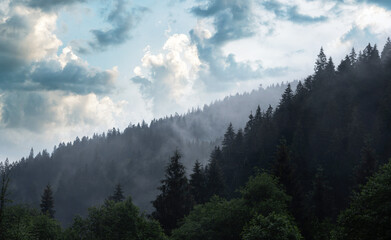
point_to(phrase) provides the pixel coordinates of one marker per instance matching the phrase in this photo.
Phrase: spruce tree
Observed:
(321, 62)
(5, 169)
(47, 202)
(319, 195)
(368, 164)
(386, 54)
(118, 195)
(174, 200)
(214, 176)
(198, 184)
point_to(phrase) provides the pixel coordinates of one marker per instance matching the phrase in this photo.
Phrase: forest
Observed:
(314, 165)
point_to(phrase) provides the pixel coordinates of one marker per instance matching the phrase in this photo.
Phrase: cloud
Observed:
(381, 3)
(48, 5)
(122, 20)
(291, 13)
(231, 19)
(171, 77)
(42, 110)
(29, 59)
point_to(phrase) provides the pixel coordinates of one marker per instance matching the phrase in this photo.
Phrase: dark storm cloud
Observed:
(122, 21)
(74, 77)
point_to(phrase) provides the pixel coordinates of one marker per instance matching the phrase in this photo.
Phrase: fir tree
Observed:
(320, 199)
(198, 184)
(321, 62)
(118, 195)
(47, 202)
(174, 200)
(214, 177)
(368, 164)
(386, 53)
(5, 169)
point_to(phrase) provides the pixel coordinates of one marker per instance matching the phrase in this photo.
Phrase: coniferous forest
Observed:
(315, 165)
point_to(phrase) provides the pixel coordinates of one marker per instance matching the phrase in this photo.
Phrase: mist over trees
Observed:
(134, 157)
(315, 166)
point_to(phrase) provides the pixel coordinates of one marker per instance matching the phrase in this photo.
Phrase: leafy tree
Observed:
(217, 219)
(24, 223)
(264, 195)
(47, 202)
(118, 195)
(112, 221)
(272, 227)
(220, 219)
(369, 214)
(174, 201)
(198, 183)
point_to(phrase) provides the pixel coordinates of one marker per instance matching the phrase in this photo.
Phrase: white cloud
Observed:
(171, 76)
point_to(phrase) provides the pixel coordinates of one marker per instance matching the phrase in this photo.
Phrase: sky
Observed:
(72, 68)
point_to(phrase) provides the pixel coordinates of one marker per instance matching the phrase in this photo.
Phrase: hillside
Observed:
(83, 173)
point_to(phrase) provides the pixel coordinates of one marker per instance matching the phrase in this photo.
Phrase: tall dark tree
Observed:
(319, 195)
(5, 169)
(198, 183)
(174, 200)
(214, 177)
(47, 202)
(321, 62)
(118, 195)
(368, 164)
(282, 167)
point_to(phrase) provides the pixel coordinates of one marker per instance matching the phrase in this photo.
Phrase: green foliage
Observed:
(369, 214)
(223, 219)
(218, 219)
(272, 227)
(23, 223)
(264, 195)
(112, 221)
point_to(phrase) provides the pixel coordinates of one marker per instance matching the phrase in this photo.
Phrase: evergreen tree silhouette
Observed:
(118, 195)
(47, 202)
(174, 200)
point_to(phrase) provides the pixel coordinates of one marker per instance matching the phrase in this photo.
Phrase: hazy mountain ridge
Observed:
(135, 157)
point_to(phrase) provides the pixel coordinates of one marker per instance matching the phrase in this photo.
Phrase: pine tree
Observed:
(386, 53)
(284, 170)
(353, 57)
(229, 137)
(214, 176)
(118, 195)
(198, 184)
(321, 62)
(174, 200)
(5, 169)
(47, 202)
(368, 164)
(321, 205)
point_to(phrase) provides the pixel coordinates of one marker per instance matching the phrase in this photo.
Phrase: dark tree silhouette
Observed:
(198, 183)
(118, 195)
(174, 200)
(47, 202)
